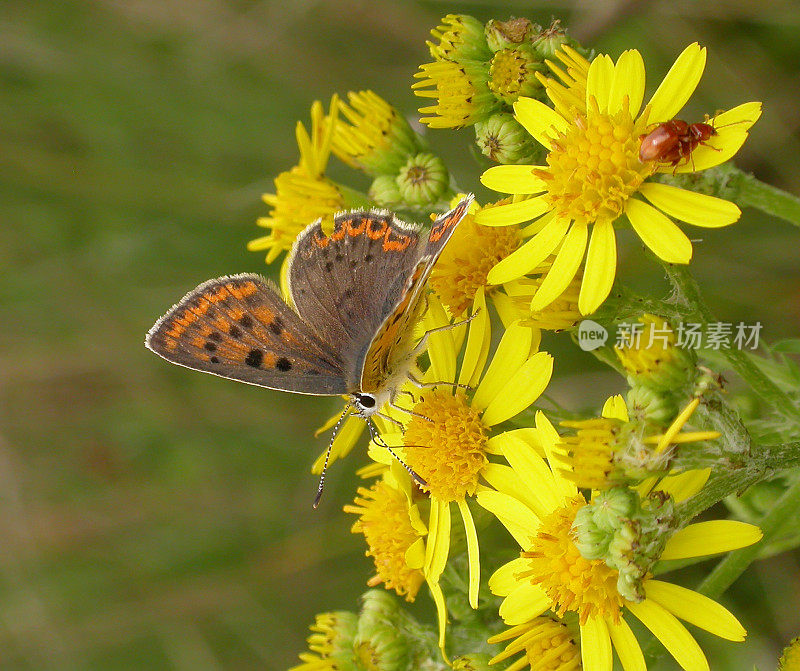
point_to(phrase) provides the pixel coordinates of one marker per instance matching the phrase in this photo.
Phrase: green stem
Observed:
(729, 569)
(747, 190)
(771, 393)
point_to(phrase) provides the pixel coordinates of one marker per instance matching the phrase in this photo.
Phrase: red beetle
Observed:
(673, 141)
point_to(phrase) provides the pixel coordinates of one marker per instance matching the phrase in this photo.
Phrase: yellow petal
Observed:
(684, 485)
(693, 208)
(708, 538)
(600, 269)
(628, 82)
(599, 80)
(672, 634)
(522, 389)
(472, 552)
(512, 351)
(438, 547)
(596, 645)
(512, 513)
(658, 232)
(531, 254)
(528, 435)
(513, 179)
(543, 497)
(415, 554)
(523, 604)
(505, 480)
(441, 611)
(504, 580)
(440, 345)
(678, 85)
(615, 408)
(626, 645)
(731, 127)
(695, 609)
(551, 443)
(541, 121)
(512, 213)
(479, 336)
(563, 270)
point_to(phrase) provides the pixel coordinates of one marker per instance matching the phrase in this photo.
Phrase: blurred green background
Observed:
(154, 518)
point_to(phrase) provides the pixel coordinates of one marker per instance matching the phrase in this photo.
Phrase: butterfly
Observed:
(354, 296)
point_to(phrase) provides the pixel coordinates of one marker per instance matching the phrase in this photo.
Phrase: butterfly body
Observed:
(355, 295)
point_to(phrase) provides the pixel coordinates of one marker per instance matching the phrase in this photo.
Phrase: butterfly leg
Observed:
(429, 385)
(423, 341)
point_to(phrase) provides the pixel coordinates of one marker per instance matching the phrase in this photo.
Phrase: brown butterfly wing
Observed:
(238, 327)
(345, 284)
(392, 342)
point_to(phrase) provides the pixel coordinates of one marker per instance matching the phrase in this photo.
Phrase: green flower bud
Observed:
(508, 34)
(512, 73)
(591, 541)
(550, 40)
(460, 37)
(648, 404)
(384, 191)
(503, 139)
(612, 506)
(423, 180)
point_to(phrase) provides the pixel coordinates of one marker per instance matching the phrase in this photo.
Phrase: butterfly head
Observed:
(365, 404)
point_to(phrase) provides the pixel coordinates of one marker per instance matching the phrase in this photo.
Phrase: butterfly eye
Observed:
(366, 401)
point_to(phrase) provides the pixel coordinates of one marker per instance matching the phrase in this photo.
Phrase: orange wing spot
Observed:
(248, 289)
(398, 244)
(340, 230)
(221, 323)
(269, 360)
(320, 240)
(171, 344)
(377, 228)
(197, 341)
(438, 231)
(188, 317)
(356, 227)
(264, 315)
(175, 330)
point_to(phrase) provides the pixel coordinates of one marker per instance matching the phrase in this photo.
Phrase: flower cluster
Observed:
(592, 507)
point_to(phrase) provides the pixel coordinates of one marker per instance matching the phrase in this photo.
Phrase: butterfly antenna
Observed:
(380, 441)
(328, 454)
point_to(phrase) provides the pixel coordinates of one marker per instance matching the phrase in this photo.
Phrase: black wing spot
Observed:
(214, 359)
(235, 331)
(276, 326)
(283, 364)
(210, 346)
(215, 335)
(368, 258)
(254, 358)
(246, 321)
(329, 266)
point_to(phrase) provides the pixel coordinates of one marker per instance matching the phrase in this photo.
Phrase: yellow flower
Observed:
(330, 644)
(460, 90)
(538, 506)
(467, 259)
(377, 140)
(611, 450)
(391, 524)
(445, 437)
(302, 194)
(594, 176)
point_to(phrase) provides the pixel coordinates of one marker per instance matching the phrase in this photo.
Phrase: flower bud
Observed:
(508, 34)
(384, 191)
(549, 40)
(460, 37)
(503, 139)
(512, 73)
(422, 180)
